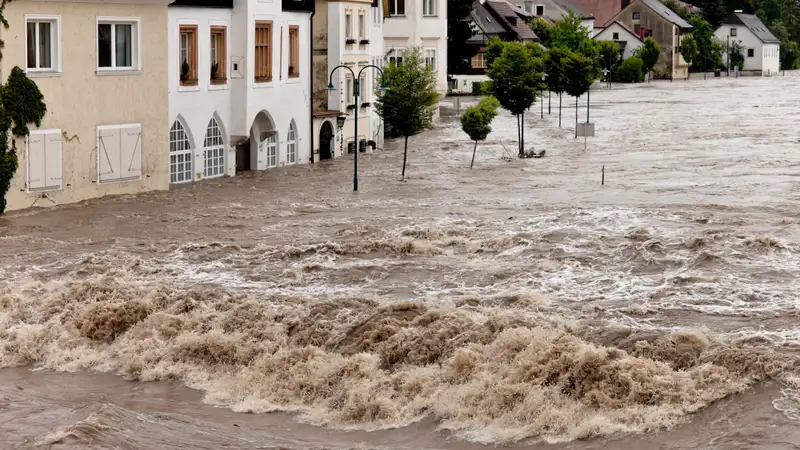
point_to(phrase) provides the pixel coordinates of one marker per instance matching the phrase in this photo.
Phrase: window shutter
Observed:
(53, 160)
(36, 162)
(131, 149)
(108, 153)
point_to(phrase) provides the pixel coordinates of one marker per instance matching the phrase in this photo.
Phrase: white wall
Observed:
(771, 59)
(196, 105)
(415, 30)
(766, 57)
(632, 42)
(376, 52)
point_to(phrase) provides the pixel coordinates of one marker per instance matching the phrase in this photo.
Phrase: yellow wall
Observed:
(79, 100)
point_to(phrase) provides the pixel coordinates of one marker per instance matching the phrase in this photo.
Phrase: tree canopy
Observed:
(476, 121)
(649, 54)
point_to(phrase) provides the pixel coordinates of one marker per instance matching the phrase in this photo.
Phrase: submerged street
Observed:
(517, 302)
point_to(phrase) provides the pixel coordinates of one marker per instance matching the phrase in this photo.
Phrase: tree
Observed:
(459, 52)
(516, 81)
(578, 78)
(21, 103)
(568, 32)
(493, 50)
(609, 55)
(543, 30)
(708, 55)
(410, 102)
(689, 49)
(554, 68)
(649, 54)
(736, 55)
(630, 71)
(477, 120)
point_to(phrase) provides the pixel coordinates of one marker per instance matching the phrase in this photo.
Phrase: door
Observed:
(325, 141)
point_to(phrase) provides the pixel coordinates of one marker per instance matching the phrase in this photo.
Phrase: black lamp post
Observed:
(355, 98)
(544, 77)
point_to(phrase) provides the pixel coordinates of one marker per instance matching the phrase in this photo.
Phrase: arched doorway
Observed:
(326, 141)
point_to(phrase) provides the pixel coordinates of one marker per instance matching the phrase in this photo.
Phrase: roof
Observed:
(755, 25)
(666, 13)
(484, 20)
(621, 25)
(495, 17)
(569, 6)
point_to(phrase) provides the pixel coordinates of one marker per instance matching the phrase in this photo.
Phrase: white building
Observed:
(761, 49)
(376, 57)
(239, 86)
(625, 38)
(421, 23)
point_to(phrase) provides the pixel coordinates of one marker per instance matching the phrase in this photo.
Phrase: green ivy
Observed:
(21, 103)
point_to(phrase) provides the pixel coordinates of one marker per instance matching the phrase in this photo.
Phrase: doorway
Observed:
(326, 141)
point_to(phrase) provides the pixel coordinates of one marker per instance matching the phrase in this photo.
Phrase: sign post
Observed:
(586, 130)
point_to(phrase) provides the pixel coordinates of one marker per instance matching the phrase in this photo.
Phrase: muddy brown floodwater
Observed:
(520, 304)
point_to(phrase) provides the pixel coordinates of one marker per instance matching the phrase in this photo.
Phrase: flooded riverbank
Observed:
(518, 302)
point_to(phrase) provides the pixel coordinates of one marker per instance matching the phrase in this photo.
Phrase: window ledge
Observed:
(184, 88)
(294, 75)
(217, 87)
(398, 16)
(43, 74)
(220, 81)
(262, 84)
(435, 16)
(117, 73)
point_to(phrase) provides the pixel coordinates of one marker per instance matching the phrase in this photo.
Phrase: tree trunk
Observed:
(559, 110)
(405, 154)
(522, 135)
(519, 136)
(473, 154)
(576, 117)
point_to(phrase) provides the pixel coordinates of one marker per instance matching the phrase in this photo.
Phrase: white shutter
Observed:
(36, 162)
(131, 148)
(108, 153)
(53, 160)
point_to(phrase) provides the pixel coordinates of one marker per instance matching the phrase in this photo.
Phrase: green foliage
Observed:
(568, 32)
(459, 52)
(590, 49)
(493, 50)
(554, 68)
(736, 55)
(578, 74)
(709, 52)
(543, 30)
(21, 103)
(790, 55)
(609, 54)
(410, 101)
(630, 71)
(476, 120)
(649, 54)
(516, 77)
(478, 88)
(689, 49)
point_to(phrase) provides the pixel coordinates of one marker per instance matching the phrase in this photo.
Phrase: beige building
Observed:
(102, 68)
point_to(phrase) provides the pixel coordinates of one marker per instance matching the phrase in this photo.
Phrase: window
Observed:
(188, 55)
(430, 59)
(219, 52)
(376, 15)
(271, 146)
(529, 7)
(396, 56)
(348, 26)
(615, 36)
(429, 8)
(733, 32)
(119, 153)
(42, 44)
(362, 27)
(44, 160)
(636, 16)
(180, 154)
(291, 145)
(214, 152)
(479, 61)
(263, 51)
(117, 44)
(397, 7)
(539, 10)
(362, 89)
(750, 53)
(348, 91)
(294, 51)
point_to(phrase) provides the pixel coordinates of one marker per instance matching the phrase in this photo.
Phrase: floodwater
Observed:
(521, 304)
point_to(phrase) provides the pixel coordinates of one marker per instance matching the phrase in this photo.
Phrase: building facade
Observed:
(420, 23)
(650, 18)
(102, 70)
(239, 86)
(555, 10)
(624, 37)
(760, 49)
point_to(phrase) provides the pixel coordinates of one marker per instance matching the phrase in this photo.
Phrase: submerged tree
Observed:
(21, 103)
(477, 120)
(410, 102)
(649, 54)
(578, 76)
(554, 68)
(516, 81)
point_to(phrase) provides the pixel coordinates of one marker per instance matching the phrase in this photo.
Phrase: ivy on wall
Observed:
(21, 103)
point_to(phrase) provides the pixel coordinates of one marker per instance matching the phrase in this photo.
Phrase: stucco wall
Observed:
(664, 33)
(632, 43)
(766, 57)
(78, 99)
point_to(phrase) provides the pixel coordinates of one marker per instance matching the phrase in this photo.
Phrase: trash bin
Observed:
(717, 73)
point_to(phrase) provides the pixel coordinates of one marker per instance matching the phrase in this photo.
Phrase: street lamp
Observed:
(606, 71)
(544, 77)
(355, 118)
(340, 122)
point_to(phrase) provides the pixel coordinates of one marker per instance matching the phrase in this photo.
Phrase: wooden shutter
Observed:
(294, 51)
(263, 51)
(108, 153)
(36, 162)
(131, 152)
(53, 160)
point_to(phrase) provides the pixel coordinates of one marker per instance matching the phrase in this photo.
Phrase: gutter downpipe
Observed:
(311, 80)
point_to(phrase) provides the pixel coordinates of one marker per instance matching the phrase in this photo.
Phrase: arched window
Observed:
(271, 146)
(180, 154)
(291, 145)
(214, 151)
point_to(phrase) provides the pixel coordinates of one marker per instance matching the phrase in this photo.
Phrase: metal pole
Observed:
(542, 115)
(728, 49)
(588, 95)
(355, 132)
(549, 97)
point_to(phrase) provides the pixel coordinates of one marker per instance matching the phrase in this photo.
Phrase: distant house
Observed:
(492, 19)
(625, 38)
(555, 10)
(762, 50)
(650, 18)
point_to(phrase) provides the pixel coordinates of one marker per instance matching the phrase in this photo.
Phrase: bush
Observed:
(477, 88)
(630, 71)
